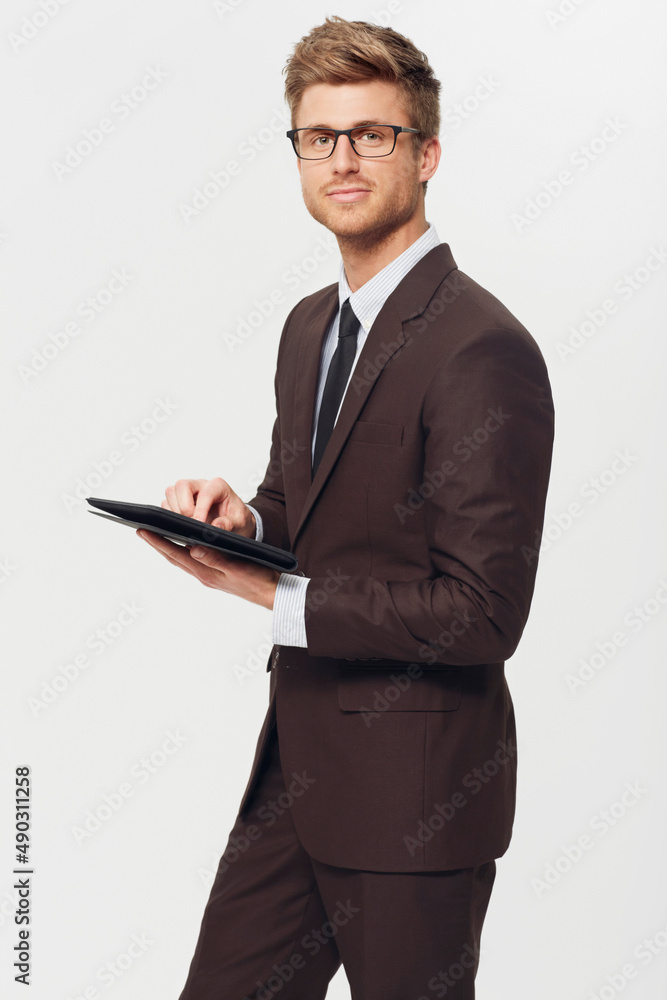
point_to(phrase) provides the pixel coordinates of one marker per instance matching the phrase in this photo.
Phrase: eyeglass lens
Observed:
(316, 143)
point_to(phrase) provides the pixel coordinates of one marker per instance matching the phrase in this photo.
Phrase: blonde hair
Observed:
(341, 51)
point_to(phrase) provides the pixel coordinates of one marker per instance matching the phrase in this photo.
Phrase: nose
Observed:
(344, 158)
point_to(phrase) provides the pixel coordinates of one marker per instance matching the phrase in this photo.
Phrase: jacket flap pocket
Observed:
(374, 433)
(372, 689)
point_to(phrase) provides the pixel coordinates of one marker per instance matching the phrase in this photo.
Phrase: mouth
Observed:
(348, 194)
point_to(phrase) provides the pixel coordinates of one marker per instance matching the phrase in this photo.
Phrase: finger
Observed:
(163, 544)
(182, 495)
(170, 502)
(222, 522)
(175, 554)
(212, 559)
(215, 491)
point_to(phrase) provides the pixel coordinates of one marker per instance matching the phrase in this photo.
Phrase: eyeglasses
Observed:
(366, 140)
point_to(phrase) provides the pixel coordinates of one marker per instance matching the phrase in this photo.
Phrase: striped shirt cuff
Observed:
(289, 611)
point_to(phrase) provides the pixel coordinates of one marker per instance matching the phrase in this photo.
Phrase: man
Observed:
(408, 472)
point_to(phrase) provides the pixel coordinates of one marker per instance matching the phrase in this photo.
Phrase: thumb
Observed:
(222, 522)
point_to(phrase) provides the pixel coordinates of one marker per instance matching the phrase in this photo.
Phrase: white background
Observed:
(551, 85)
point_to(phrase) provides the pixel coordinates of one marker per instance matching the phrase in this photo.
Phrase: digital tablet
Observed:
(188, 532)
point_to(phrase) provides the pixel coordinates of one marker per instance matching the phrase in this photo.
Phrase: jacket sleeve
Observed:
(269, 500)
(488, 411)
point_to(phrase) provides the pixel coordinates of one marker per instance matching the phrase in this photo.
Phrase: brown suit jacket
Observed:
(419, 535)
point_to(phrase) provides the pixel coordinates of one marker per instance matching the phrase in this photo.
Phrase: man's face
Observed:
(362, 200)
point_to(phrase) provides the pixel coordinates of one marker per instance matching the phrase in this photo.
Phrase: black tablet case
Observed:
(189, 532)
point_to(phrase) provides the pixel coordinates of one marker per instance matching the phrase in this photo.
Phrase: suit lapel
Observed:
(305, 389)
(386, 336)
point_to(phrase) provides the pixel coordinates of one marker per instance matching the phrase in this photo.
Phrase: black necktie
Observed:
(337, 376)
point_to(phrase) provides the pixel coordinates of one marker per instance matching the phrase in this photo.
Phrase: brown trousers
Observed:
(278, 923)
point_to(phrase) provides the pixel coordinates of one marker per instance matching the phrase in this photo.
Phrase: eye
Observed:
(321, 139)
(370, 136)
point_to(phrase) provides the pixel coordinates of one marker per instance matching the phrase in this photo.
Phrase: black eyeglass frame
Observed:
(348, 132)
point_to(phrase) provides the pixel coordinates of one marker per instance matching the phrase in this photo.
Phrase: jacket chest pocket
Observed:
(373, 452)
(368, 432)
(403, 689)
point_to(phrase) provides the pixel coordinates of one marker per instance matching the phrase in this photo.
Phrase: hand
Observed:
(212, 501)
(221, 572)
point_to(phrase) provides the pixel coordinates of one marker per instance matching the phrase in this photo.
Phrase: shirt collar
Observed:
(369, 299)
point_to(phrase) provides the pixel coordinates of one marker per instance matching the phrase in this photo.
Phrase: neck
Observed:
(364, 255)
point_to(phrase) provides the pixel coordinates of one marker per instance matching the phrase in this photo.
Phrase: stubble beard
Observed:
(363, 235)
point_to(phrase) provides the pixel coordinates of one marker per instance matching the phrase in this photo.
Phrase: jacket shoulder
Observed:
(311, 306)
(469, 313)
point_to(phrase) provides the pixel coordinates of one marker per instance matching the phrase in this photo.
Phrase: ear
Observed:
(429, 158)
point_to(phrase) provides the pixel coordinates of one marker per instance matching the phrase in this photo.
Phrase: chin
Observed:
(348, 227)
(374, 229)
(360, 221)
(348, 220)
